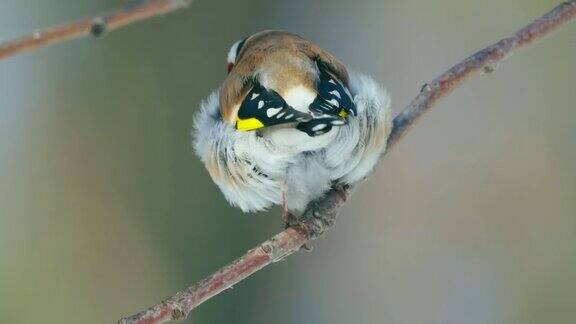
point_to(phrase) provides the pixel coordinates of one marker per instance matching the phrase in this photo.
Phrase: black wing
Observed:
(263, 108)
(320, 125)
(333, 97)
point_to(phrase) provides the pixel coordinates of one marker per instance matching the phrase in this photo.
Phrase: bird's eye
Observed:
(230, 67)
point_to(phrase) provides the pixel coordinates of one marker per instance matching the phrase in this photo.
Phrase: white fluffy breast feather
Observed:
(253, 169)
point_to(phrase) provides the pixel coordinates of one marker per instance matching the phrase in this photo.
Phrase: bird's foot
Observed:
(321, 214)
(342, 190)
(290, 220)
(286, 216)
(293, 221)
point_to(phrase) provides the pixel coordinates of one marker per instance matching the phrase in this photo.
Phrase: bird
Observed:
(289, 122)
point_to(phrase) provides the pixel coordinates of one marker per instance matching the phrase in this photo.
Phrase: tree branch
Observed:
(482, 61)
(321, 214)
(133, 11)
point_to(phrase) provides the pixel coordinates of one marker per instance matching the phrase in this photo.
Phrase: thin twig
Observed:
(290, 240)
(133, 11)
(483, 61)
(178, 306)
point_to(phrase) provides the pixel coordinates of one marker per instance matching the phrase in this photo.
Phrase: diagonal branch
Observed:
(483, 61)
(133, 11)
(321, 214)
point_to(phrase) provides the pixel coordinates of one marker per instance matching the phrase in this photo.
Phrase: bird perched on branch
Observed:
(288, 123)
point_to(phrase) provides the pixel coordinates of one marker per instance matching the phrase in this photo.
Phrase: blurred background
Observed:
(105, 209)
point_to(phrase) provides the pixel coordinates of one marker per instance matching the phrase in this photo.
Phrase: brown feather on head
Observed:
(271, 49)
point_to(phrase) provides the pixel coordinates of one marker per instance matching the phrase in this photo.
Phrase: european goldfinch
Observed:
(289, 122)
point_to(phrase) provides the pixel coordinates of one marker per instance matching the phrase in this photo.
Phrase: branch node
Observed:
(267, 248)
(426, 88)
(99, 27)
(178, 314)
(490, 68)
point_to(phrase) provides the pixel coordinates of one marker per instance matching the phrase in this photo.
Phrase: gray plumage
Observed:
(254, 169)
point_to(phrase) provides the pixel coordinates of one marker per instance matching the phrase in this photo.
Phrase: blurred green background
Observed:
(104, 208)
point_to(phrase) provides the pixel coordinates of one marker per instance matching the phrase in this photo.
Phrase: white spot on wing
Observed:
(260, 104)
(281, 114)
(348, 92)
(332, 81)
(318, 127)
(334, 102)
(336, 93)
(272, 111)
(254, 96)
